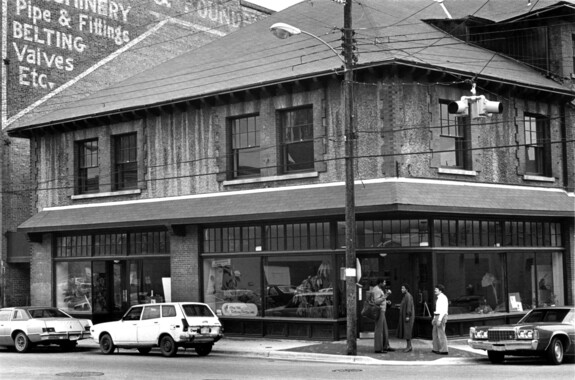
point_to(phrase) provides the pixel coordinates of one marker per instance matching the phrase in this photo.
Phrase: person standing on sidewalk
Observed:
(381, 333)
(406, 317)
(439, 321)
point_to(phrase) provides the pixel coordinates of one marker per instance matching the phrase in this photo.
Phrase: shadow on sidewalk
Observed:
(421, 350)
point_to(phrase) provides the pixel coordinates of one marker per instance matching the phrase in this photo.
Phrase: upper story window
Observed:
(296, 134)
(88, 180)
(537, 146)
(455, 141)
(245, 138)
(125, 162)
(573, 51)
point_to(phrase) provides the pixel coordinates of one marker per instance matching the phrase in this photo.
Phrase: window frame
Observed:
(124, 166)
(251, 146)
(457, 128)
(86, 162)
(537, 140)
(285, 122)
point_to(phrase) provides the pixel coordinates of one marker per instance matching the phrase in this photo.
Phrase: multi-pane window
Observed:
(537, 148)
(454, 140)
(573, 51)
(245, 137)
(125, 162)
(88, 170)
(115, 244)
(297, 139)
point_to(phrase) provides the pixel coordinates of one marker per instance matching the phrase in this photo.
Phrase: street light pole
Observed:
(350, 225)
(283, 31)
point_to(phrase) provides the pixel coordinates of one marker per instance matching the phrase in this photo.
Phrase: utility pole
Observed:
(350, 225)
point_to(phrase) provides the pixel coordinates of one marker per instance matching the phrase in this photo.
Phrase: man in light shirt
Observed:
(439, 321)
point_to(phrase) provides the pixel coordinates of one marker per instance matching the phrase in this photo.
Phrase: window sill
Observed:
(538, 178)
(457, 171)
(271, 178)
(108, 194)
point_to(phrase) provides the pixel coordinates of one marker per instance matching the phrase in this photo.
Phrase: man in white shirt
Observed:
(439, 321)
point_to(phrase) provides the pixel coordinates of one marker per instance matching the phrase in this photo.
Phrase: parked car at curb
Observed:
(544, 331)
(29, 326)
(168, 325)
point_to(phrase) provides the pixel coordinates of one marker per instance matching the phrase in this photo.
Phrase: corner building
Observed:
(219, 176)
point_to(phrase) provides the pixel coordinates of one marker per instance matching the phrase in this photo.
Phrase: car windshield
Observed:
(197, 311)
(545, 315)
(47, 313)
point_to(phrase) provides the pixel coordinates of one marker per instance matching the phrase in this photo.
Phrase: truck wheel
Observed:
(168, 346)
(204, 349)
(555, 352)
(496, 357)
(22, 342)
(107, 344)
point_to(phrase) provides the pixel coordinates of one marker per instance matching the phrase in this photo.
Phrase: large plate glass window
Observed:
(300, 287)
(232, 286)
(474, 282)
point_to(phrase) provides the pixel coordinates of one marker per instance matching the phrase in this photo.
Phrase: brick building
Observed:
(49, 62)
(219, 176)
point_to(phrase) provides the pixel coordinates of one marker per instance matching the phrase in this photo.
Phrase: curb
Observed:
(326, 358)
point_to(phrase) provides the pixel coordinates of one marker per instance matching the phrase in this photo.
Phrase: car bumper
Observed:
(200, 338)
(70, 336)
(528, 345)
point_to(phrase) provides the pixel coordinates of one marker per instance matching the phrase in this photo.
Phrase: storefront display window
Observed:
(300, 287)
(473, 282)
(232, 286)
(74, 287)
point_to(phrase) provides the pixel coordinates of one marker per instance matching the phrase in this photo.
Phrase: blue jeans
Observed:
(438, 334)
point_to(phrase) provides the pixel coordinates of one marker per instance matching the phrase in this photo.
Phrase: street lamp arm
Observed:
(326, 44)
(283, 31)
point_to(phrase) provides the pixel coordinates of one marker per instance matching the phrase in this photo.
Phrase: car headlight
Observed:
(526, 334)
(477, 334)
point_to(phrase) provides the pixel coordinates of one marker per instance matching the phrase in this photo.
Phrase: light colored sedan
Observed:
(26, 327)
(166, 325)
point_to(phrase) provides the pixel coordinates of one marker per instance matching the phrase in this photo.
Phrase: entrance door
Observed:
(110, 292)
(411, 268)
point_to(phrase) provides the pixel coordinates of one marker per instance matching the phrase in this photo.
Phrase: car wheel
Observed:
(21, 342)
(144, 350)
(204, 349)
(496, 357)
(555, 352)
(68, 346)
(168, 346)
(107, 344)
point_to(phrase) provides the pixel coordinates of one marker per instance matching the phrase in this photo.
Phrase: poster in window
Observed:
(515, 302)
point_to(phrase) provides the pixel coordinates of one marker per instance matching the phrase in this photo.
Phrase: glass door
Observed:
(109, 289)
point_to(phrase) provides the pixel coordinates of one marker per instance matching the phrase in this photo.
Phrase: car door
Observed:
(127, 331)
(5, 329)
(149, 326)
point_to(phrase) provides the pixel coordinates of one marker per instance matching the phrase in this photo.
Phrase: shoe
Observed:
(384, 352)
(409, 349)
(435, 352)
(391, 349)
(443, 353)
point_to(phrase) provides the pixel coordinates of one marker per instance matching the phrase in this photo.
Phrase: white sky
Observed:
(275, 5)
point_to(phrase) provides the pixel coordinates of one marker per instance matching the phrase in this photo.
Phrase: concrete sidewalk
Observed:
(336, 352)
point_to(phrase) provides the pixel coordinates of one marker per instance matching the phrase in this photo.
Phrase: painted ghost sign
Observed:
(68, 48)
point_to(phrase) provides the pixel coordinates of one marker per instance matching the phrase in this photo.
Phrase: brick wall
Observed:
(185, 269)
